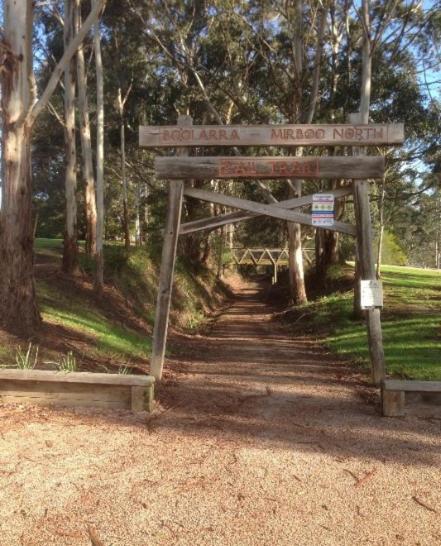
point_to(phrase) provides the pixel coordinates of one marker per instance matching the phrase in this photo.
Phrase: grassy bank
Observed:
(411, 323)
(112, 332)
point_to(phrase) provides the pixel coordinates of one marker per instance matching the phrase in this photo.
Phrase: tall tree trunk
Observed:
(126, 221)
(363, 117)
(121, 102)
(70, 247)
(295, 253)
(86, 144)
(296, 269)
(138, 232)
(17, 290)
(20, 109)
(99, 279)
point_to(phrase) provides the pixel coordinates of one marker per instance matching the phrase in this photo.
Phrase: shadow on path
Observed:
(251, 381)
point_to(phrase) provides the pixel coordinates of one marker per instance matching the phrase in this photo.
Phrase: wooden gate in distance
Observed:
(358, 168)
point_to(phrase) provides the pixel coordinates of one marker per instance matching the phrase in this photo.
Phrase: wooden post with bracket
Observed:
(367, 267)
(171, 234)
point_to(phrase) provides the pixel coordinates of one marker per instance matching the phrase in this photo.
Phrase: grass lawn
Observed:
(113, 331)
(411, 323)
(108, 339)
(103, 335)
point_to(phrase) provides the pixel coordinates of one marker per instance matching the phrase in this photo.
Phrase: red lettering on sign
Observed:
(237, 168)
(176, 135)
(187, 134)
(276, 134)
(268, 168)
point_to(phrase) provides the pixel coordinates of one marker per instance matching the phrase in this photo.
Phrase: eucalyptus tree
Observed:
(86, 142)
(70, 248)
(20, 110)
(99, 273)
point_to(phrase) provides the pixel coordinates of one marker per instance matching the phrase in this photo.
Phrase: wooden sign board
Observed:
(271, 135)
(371, 294)
(268, 167)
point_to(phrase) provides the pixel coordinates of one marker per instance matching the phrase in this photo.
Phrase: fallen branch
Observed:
(360, 481)
(424, 505)
(96, 541)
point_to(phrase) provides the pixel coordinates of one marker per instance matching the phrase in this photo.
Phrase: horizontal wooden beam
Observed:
(271, 135)
(273, 210)
(233, 217)
(51, 388)
(407, 385)
(76, 377)
(269, 167)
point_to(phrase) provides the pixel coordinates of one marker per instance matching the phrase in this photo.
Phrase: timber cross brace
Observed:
(181, 167)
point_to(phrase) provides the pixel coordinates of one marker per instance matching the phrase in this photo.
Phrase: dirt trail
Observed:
(258, 439)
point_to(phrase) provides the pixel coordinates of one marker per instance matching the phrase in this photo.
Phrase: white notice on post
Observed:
(323, 209)
(371, 294)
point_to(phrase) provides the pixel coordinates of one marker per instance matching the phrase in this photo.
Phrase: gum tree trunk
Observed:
(20, 108)
(99, 279)
(70, 249)
(126, 221)
(302, 114)
(86, 144)
(296, 269)
(17, 290)
(121, 101)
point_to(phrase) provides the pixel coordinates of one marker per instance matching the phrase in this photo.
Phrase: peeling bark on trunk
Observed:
(17, 290)
(297, 276)
(295, 254)
(20, 109)
(70, 247)
(86, 144)
(296, 268)
(99, 277)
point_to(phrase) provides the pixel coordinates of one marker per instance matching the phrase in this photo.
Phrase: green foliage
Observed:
(392, 253)
(68, 363)
(234, 62)
(26, 360)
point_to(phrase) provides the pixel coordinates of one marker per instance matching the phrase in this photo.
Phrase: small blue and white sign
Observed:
(323, 210)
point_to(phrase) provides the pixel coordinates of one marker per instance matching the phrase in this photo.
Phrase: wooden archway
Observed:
(358, 168)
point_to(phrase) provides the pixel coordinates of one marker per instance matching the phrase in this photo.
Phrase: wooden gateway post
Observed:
(182, 167)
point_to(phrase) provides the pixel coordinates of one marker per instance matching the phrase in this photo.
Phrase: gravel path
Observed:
(258, 439)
